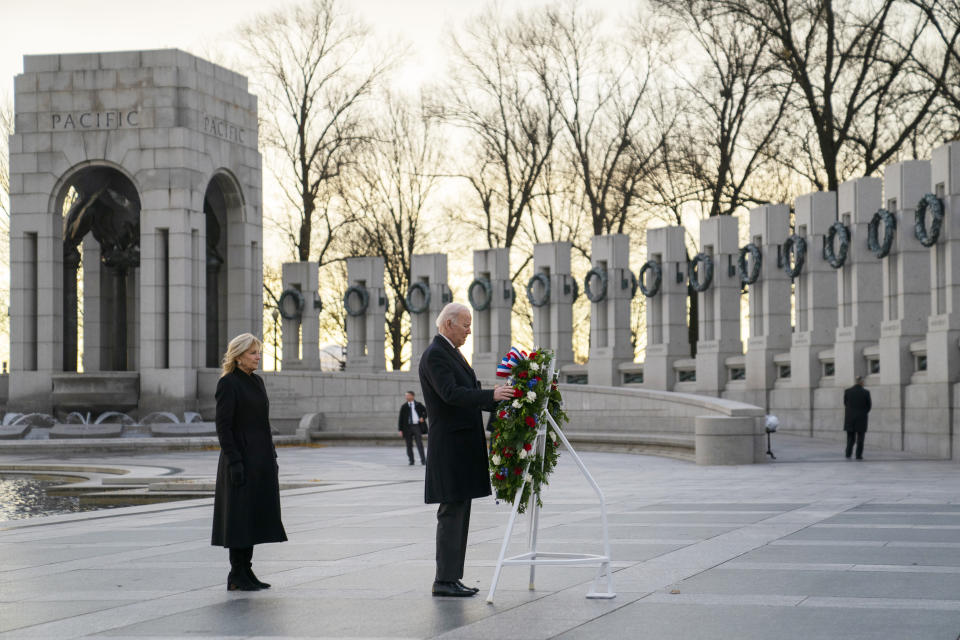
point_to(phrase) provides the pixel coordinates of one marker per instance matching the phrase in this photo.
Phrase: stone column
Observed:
(906, 293)
(815, 296)
(943, 328)
(718, 311)
(770, 327)
(553, 321)
(366, 332)
(491, 324)
(858, 281)
(610, 315)
(301, 336)
(906, 273)
(430, 271)
(668, 339)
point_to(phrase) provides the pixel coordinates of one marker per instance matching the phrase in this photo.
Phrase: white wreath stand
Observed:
(532, 557)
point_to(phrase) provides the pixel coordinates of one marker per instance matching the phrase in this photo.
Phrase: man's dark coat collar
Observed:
(455, 354)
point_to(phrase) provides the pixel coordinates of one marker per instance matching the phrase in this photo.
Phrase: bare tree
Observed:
(599, 82)
(857, 84)
(6, 130)
(730, 108)
(315, 67)
(511, 129)
(944, 25)
(387, 194)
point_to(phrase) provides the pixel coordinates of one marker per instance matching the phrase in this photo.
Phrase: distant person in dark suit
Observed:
(457, 456)
(412, 424)
(856, 406)
(246, 503)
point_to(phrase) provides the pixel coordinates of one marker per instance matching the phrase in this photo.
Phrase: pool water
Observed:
(25, 496)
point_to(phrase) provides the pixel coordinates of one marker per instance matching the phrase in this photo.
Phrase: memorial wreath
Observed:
(515, 457)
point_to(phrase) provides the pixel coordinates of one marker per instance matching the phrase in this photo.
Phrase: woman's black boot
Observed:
(257, 581)
(239, 578)
(240, 581)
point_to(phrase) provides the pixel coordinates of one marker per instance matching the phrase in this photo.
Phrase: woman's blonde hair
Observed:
(237, 347)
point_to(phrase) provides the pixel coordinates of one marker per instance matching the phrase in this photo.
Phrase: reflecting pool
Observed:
(25, 496)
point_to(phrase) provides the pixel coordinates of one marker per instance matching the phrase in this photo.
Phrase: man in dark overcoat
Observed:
(856, 406)
(457, 457)
(412, 424)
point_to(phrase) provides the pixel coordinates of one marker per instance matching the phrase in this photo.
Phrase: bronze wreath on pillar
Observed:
(601, 275)
(654, 267)
(836, 259)
(873, 233)
(795, 246)
(298, 304)
(935, 205)
(751, 276)
(693, 272)
(361, 293)
(485, 285)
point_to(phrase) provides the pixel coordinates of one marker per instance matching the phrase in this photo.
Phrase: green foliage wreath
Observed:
(516, 452)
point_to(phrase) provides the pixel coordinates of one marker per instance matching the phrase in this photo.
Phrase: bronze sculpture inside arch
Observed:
(106, 205)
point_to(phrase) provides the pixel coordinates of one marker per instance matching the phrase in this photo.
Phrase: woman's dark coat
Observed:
(457, 455)
(249, 514)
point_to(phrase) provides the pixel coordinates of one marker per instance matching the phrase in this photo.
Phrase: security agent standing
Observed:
(856, 403)
(457, 457)
(412, 424)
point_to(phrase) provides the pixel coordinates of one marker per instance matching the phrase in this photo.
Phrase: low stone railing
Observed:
(363, 407)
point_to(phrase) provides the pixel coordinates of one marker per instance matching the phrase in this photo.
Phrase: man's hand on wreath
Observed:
(502, 392)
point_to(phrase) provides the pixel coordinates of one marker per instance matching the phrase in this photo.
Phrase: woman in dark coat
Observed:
(246, 506)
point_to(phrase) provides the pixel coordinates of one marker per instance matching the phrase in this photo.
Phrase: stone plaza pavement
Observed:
(811, 546)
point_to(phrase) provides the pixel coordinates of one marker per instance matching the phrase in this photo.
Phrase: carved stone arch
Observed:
(101, 223)
(224, 212)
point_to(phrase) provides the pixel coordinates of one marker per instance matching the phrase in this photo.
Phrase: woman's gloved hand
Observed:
(237, 475)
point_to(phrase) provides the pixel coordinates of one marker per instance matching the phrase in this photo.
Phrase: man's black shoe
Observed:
(463, 586)
(411, 463)
(451, 590)
(423, 462)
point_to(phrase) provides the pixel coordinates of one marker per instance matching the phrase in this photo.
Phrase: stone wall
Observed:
(368, 404)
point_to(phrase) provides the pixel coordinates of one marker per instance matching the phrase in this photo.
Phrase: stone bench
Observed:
(64, 431)
(14, 432)
(193, 429)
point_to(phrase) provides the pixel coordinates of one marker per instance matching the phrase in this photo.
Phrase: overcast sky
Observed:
(67, 26)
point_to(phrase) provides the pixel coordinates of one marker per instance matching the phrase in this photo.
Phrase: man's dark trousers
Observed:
(453, 523)
(412, 433)
(858, 436)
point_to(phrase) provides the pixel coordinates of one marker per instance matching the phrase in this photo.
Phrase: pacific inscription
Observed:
(223, 129)
(94, 120)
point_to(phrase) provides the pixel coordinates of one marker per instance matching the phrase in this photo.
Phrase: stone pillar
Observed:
(906, 273)
(943, 328)
(366, 331)
(301, 335)
(610, 315)
(816, 289)
(491, 324)
(815, 296)
(668, 339)
(858, 281)
(906, 295)
(553, 321)
(718, 311)
(427, 270)
(36, 280)
(943, 331)
(770, 327)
